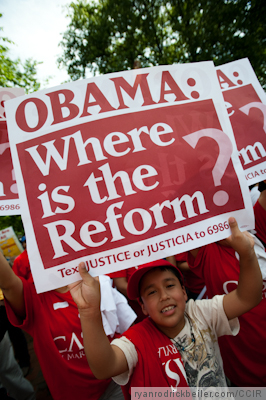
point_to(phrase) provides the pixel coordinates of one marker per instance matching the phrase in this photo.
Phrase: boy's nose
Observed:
(164, 295)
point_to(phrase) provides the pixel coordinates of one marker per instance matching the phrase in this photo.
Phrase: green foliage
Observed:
(108, 35)
(14, 221)
(14, 73)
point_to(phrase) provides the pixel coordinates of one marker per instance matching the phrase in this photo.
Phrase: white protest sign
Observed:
(9, 243)
(123, 169)
(7, 94)
(9, 201)
(246, 104)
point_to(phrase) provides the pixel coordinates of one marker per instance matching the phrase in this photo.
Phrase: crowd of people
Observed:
(196, 319)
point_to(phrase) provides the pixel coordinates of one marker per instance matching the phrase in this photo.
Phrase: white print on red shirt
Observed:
(228, 286)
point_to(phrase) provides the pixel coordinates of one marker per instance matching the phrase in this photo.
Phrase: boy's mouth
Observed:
(168, 308)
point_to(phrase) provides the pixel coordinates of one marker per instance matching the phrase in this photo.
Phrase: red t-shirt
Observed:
(159, 362)
(193, 282)
(243, 355)
(260, 222)
(53, 321)
(21, 266)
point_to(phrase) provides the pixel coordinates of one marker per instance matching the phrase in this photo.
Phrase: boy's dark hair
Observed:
(262, 186)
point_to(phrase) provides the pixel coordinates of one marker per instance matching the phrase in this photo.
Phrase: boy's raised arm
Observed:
(104, 360)
(12, 287)
(249, 290)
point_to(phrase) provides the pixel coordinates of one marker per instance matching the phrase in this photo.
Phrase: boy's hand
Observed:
(86, 293)
(241, 242)
(249, 289)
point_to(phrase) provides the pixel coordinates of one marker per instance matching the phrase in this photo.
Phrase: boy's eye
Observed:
(171, 285)
(151, 292)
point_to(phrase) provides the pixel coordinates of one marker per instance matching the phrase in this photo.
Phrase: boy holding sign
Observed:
(149, 353)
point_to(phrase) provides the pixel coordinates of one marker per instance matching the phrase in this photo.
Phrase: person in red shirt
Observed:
(21, 265)
(53, 320)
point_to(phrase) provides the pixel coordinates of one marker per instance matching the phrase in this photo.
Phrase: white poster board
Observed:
(9, 200)
(123, 169)
(246, 104)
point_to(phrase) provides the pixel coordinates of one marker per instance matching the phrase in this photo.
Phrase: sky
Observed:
(36, 27)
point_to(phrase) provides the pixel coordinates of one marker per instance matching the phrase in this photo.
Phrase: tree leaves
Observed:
(14, 221)
(108, 35)
(14, 73)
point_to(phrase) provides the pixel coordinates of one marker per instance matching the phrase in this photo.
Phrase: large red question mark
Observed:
(262, 107)
(221, 197)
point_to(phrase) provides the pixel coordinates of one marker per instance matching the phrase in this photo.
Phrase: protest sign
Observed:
(123, 169)
(9, 243)
(9, 201)
(246, 105)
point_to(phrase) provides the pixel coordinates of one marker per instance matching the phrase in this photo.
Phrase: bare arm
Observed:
(104, 360)
(249, 290)
(171, 259)
(121, 285)
(194, 252)
(182, 265)
(12, 288)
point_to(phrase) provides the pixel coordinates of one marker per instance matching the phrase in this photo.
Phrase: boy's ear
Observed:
(185, 292)
(143, 307)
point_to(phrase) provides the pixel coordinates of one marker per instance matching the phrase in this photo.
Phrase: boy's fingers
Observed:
(232, 220)
(233, 225)
(85, 275)
(83, 271)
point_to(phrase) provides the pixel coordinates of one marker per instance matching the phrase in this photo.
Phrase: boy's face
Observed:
(164, 300)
